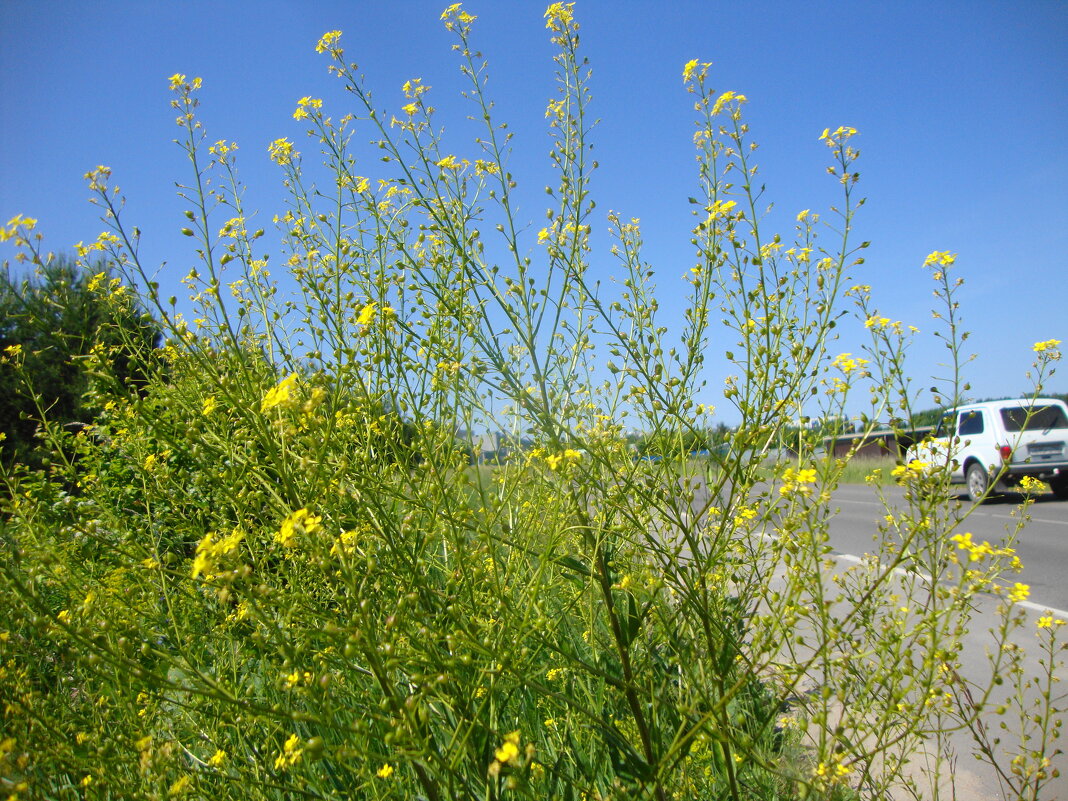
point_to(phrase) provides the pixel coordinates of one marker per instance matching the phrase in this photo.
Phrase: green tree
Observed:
(50, 322)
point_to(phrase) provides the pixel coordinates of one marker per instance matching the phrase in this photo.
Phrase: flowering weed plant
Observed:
(274, 571)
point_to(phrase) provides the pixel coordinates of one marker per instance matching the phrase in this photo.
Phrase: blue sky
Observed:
(962, 109)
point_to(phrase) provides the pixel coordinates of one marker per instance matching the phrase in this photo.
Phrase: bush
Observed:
(58, 319)
(244, 585)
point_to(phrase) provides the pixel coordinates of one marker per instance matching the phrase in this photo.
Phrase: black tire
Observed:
(1059, 486)
(978, 482)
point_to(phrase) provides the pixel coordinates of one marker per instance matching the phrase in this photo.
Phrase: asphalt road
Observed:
(1042, 544)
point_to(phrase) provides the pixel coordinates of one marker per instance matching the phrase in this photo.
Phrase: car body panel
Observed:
(1009, 438)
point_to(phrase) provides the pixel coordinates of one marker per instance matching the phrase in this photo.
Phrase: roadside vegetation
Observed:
(268, 568)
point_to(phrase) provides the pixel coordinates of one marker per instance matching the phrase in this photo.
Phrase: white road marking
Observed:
(1033, 519)
(1043, 610)
(982, 512)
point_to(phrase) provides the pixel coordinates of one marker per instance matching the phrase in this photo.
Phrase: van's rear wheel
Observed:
(1059, 485)
(978, 482)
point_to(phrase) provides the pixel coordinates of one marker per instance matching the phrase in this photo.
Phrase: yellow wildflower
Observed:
(452, 163)
(280, 393)
(1031, 484)
(1047, 347)
(1019, 592)
(726, 98)
(385, 771)
(300, 521)
(371, 310)
(281, 151)
(328, 41)
(455, 13)
(559, 15)
(181, 785)
(842, 133)
(940, 257)
(210, 551)
(847, 364)
(509, 749)
(291, 753)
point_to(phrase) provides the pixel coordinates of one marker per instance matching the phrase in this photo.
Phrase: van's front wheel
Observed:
(978, 482)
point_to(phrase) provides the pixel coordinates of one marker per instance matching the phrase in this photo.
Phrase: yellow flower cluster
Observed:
(694, 69)
(372, 310)
(509, 749)
(452, 163)
(222, 149)
(455, 14)
(833, 772)
(1031, 484)
(299, 522)
(847, 364)
(568, 457)
(720, 209)
(304, 104)
(797, 481)
(1019, 592)
(16, 229)
(210, 551)
(414, 89)
(842, 133)
(977, 552)
(942, 258)
(328, 41)
(291, 753)
(234, 228)
(559, 16)
(181, 785)
(904, 471)
(281, 151)
(726, 98)
(1049, 349)
(177, 82)
(279, 394)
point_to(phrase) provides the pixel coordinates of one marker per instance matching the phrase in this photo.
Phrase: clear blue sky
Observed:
(962, 109)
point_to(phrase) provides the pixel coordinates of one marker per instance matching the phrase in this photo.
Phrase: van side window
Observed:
(970, 423)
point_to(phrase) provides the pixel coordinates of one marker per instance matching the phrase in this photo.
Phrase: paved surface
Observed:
(1042, 545)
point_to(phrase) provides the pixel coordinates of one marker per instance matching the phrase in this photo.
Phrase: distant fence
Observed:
(876, 444)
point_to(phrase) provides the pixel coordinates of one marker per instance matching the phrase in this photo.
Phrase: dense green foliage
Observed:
(58, 316)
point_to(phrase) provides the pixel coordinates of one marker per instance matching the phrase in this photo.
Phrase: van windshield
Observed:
(1034, 418)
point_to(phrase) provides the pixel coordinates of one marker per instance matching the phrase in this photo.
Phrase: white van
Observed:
(995, 444)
